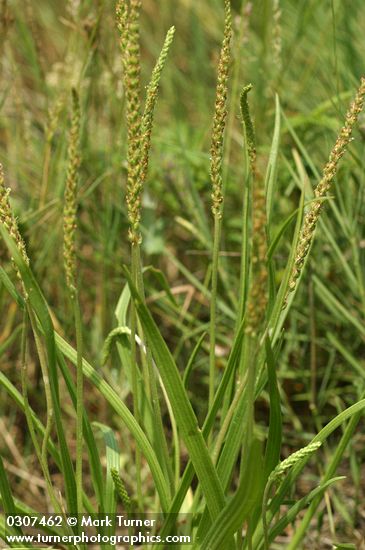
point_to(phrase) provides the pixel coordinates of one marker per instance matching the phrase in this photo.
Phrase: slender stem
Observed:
(213, 305)
(265, 525)
(79, 401)
(358, 271)
(250, 354)
(313, 349)
(227, 422)
(152, 389)
(244, 270)
(45, 174)
(134, 374)
(47, 387)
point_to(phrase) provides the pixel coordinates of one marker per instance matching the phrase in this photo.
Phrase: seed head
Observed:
(9, 221)
(220, 115)
(128, 27)
(329, 172)
(121, 13)
(289, 462)
(151, 99)
(120, 488)
(70, 202)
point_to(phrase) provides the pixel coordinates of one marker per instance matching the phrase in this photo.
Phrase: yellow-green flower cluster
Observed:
(329, 172)
(7, 218)
(121, 13)
(151, 98)
(120, 488)
(139, 128)
(128, 26)
(70, 202)
(220, 115)
(293, 459)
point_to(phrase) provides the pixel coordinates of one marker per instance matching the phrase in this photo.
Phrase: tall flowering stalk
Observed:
(216, 152)
(329, 172)
(257, 298)
(127, 18)
(127, 15)
(257, 294)
(139, 130)
(70, 262)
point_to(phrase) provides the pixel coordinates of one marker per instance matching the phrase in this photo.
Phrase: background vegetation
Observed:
(309, 56)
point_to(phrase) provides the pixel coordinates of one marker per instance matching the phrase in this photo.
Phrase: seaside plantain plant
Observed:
(219, 474)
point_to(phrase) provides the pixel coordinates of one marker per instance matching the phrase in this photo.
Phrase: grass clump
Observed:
(206, 376)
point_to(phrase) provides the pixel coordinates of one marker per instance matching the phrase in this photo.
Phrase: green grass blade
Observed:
(336, 307)
(93, 453)
(355, 363)
(236, 511)
(6, 531)
(39, 306)
(321, 436)
(273, 445)
(278, 315)
(184, 414)
(6, 494)
(294, 511)
(189, 367)
(126, 417)
(112, 462)
(11, 288)
(271, 173)
(208, 424)
(17, 397)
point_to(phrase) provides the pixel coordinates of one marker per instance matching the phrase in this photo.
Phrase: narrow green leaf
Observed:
(273, 445)
(184, 414)
(6, 493)
(93, 453)
(296, 508)
(355, 363)
(39, 306)
(236, 511)
(190, 365)
(162, 281)
(272, 168)
(321, 436)
(112, 462)
(11, 288)
(127, 418)
(336, 307)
